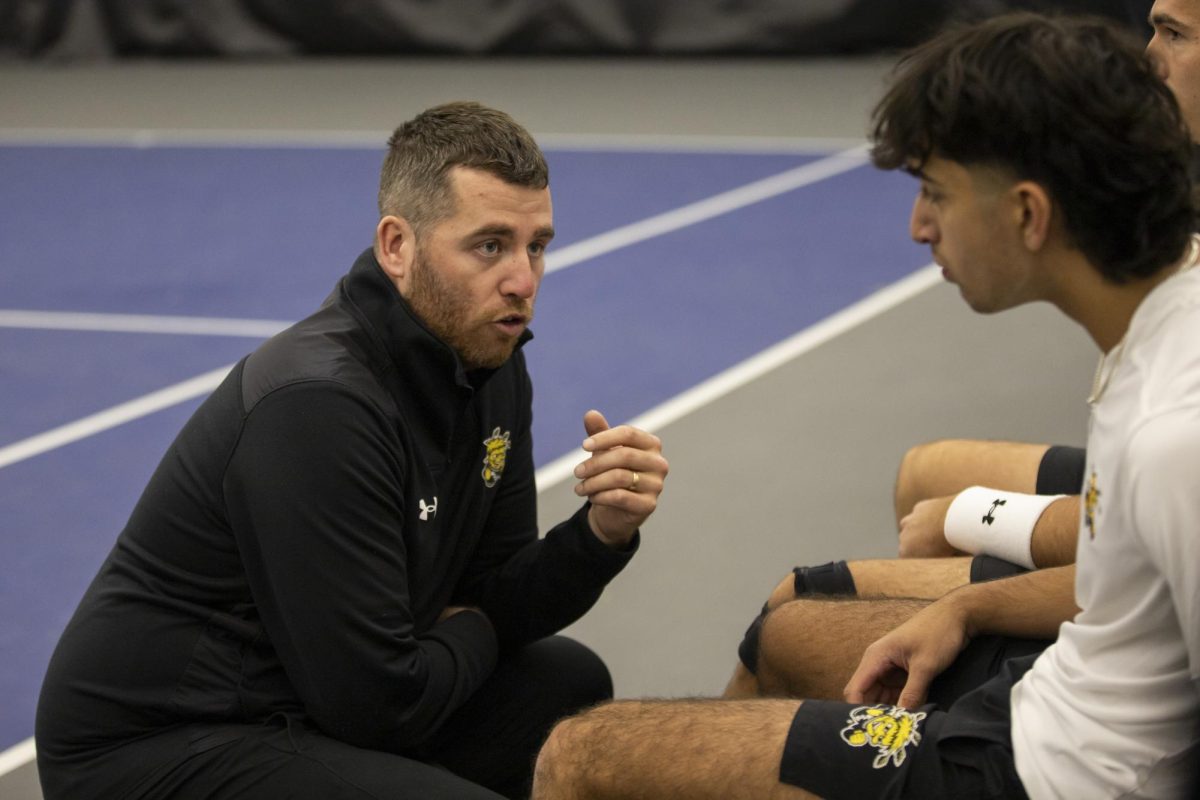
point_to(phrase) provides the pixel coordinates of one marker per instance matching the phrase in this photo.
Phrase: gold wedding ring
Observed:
(633, 485)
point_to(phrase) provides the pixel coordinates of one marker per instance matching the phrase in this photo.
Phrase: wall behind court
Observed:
(101, 29)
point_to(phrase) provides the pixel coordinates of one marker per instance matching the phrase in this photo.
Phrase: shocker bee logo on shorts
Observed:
(889, 729)
(495, 454)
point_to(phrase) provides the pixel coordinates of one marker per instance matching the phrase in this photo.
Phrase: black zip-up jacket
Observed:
(294, 548)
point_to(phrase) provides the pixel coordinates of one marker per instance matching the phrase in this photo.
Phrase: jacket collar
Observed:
(427, 371)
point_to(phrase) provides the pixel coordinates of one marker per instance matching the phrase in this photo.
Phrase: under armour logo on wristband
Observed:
(1007, 535)
(427, 510)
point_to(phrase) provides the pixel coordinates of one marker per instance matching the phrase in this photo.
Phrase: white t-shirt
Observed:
(1110, 710)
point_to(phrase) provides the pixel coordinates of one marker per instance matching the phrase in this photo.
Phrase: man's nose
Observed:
(521, 277)
(920, 224)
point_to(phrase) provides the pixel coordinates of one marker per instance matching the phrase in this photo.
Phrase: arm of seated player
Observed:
(899, 667)
(1056, 533)
(923, 532)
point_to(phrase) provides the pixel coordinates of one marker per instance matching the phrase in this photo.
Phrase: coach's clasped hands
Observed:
(622, 478)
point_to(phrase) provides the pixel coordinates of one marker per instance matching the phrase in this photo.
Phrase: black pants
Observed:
(490, 742)
(1061, 470)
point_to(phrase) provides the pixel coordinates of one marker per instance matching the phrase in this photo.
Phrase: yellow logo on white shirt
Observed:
(889, 729)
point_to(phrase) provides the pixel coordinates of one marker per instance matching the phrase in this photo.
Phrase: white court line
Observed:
(714, 206)
(758, 365)
(691, 143)
(140, 323)
(17, 756)
(112, 417)
(753, 192)
(376, 140)
(556, 260)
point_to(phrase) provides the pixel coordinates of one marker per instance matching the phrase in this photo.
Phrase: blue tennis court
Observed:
(239, 235)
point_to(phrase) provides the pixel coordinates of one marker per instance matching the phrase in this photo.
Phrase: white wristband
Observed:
(985, 521)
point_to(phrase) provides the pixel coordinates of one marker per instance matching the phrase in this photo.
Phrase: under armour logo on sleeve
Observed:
(428, 510)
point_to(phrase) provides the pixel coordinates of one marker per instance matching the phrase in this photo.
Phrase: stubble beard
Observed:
(446, 310)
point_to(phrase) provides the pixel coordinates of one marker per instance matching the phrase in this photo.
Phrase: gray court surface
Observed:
(794, 467)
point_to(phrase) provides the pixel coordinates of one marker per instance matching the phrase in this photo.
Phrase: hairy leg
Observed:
(811, 647)
(923, 578)
(946, 467)
(698, 749)
(742, 685)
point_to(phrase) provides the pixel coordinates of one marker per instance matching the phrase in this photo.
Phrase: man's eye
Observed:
(537, 248)
(490, 248)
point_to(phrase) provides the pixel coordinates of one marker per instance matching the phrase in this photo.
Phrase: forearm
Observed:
(1056, 533)
(370, 683)
(1034, 531)
(1032, 605)
(899, 667)
(549, 583)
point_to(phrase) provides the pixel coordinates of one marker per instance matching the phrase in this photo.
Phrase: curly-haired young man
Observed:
(1052, 163)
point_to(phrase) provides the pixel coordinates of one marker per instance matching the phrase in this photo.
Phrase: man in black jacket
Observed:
(333, 585)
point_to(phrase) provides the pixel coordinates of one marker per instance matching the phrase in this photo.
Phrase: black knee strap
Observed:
(989, 568)
(831, 578)
(748, 648)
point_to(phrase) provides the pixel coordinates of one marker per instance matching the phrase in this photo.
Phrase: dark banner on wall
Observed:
(82, 29)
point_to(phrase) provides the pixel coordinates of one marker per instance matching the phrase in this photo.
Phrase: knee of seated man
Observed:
(921, 460)
(789, 635)
(570, 674)
(556, 774)
(911, 476)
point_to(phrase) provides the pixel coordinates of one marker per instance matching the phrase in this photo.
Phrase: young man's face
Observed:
(1175, 51)
(968, 219)
(477, 272)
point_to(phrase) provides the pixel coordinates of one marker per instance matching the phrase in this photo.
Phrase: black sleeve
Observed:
(315, 497)
(530, 587)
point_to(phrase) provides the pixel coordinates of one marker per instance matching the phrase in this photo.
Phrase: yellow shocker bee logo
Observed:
(1091, 506)
(889, 729)
(495, 454)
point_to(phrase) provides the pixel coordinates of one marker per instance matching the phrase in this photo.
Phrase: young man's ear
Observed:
(1035, 212)
(396, 250)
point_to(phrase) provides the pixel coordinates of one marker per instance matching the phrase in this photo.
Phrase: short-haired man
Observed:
(333, 585)
(1053, 166)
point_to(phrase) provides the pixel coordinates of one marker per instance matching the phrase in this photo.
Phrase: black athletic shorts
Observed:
(989, 568)
(1061, 470)
(841, 751)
